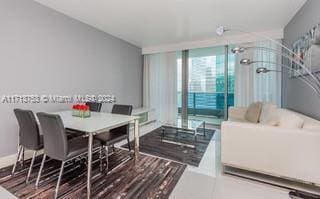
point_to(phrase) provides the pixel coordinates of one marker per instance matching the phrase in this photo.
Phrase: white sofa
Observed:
(292, 153)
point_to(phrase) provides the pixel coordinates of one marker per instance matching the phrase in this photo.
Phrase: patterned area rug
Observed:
(152, 143)
(148, 177)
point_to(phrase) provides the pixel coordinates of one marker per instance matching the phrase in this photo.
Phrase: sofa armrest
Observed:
(292, 153)
(237, 113)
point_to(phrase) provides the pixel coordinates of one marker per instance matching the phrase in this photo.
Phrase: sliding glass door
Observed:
(206, 83)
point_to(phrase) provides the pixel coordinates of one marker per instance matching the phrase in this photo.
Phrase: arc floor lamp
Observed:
(288, 57)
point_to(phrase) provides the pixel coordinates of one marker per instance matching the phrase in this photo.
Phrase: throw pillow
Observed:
(271, 120)
(267, 115)
(253, 112)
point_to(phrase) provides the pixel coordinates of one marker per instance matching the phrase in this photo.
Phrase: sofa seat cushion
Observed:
(253, 112)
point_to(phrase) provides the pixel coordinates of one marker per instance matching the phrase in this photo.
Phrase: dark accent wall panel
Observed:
(296, 95)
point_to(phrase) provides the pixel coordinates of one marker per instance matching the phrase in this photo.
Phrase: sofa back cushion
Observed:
(309, 123)
(253, 112)
(237, 114)
(273, 116)
(288, 119)
(312, 127)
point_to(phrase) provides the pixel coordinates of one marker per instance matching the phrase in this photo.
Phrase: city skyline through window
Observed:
(206, 82)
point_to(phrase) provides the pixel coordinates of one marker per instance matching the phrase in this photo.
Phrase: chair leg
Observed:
(59, 180)
(129, 147)
(113, 148)
(18, 157)
(100, 157)
(40, 170)
(107, 160)
(22, 157)
(31, 165)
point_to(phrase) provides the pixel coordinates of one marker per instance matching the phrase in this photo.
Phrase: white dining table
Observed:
(99, 122)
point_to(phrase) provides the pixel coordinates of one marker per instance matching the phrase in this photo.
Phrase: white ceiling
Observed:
(147, 23)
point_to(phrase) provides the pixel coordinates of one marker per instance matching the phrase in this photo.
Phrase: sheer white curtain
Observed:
(250, 86)
(160, 85)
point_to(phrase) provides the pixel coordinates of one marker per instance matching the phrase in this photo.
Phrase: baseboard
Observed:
(10, 159)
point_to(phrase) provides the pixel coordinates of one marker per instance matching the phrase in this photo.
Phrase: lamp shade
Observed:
(245, 61)
(237, 50)
(262, 70)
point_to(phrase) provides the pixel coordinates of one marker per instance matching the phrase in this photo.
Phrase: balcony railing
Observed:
(208, 104)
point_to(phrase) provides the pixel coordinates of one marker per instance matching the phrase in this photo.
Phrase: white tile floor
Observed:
(6, 194)
(207, 181)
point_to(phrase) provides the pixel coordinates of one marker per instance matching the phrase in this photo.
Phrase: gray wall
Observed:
(45, 52)
(296, 95)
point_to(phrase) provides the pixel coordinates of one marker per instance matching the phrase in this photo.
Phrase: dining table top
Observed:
(97, 122)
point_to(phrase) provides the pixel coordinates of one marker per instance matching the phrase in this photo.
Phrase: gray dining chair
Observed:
(117, 134)
(57, 146)
(29, 137)
(94, 106)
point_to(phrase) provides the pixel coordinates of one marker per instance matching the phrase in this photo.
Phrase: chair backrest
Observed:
(55, 139)
(28, 129)
(94, 106)
(122, 109)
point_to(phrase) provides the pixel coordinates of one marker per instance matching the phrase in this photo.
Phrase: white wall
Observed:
(45, 52)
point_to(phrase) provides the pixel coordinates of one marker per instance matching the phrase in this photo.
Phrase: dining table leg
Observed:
(136, 139)
(90, 140)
